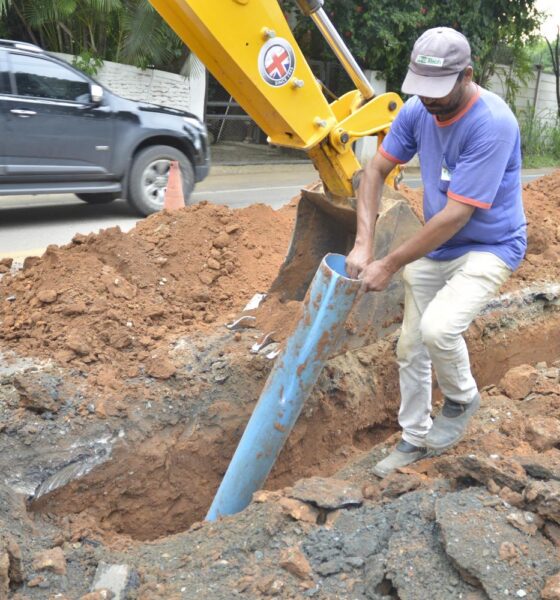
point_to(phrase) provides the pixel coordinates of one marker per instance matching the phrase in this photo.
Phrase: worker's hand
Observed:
(376, 276)
(357, 261)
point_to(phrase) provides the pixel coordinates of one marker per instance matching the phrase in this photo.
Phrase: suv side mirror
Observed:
(96, 92)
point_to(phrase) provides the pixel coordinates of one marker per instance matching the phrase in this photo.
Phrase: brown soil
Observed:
(117, 298)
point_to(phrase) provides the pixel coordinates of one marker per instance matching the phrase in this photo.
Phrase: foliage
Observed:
(555, 58)
(513, 68)
(148, 41)
(88, 63)
(539, 54)
(120, 30)
(381, 34)
(540, 140)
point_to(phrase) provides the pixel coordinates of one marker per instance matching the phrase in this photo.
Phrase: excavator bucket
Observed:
(321, 228)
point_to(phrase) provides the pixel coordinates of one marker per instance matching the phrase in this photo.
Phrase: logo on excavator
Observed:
(277, 62)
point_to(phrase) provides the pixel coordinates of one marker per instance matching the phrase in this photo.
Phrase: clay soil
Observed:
(119, 298)
(126, 336)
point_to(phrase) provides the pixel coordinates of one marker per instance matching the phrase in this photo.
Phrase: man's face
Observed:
(443, 107)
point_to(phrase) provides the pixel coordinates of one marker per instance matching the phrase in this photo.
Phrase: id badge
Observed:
(445, 174)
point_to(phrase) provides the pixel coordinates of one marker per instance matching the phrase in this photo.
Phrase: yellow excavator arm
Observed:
(249, 48)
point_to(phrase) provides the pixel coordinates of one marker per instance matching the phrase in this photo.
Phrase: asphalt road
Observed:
(28, 224)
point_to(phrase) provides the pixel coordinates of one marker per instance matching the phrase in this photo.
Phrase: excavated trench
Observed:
(161, 485)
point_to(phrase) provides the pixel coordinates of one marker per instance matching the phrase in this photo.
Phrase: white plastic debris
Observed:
(255, 301)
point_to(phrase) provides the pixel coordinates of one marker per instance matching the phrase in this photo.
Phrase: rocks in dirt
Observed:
(98, 595)
(474, 536)
(160, 365)
(350, 547)
(518, 382)
(552, 532)
(6, 265)
(542, 466)
(327, 493)
(416, 560)
(47, 296)
(525, 521)
(116, 284)
(300, 511)
(39, 391)
(294, 562)
(544, 498)
(221, 240)
(116, 580)
(4, 575)
(77, 342)
(74, 308)
(396, 484)
(50, 560)
(11, 567)
(543, 433)
(505, 472)
(270, 586)
(551, 590)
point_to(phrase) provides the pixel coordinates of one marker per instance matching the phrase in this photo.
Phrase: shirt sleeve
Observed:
(399, 146)
(480, 167)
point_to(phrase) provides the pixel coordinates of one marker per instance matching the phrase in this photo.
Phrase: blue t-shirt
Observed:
(473, 158)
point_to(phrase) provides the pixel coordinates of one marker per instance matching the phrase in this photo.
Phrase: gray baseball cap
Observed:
(438, 56)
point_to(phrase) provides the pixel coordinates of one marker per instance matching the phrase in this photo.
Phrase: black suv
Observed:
(62, 132)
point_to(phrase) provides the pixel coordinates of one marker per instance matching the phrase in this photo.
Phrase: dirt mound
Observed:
(119, 298)
(116, 297)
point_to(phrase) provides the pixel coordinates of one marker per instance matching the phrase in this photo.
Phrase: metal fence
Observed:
(227, 121)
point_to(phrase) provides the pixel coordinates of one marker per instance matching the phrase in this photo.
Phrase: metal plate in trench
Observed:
(378, 313)
(323, 226)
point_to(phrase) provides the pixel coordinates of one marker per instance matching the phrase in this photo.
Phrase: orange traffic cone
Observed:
(174, 198)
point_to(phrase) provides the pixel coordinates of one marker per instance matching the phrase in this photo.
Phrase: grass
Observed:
(540, 140)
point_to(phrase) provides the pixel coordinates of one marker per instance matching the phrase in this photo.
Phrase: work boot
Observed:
(450, 425)
(404, 454)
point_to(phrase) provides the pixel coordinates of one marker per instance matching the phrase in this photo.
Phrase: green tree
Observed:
(381, 34)
(120, 30)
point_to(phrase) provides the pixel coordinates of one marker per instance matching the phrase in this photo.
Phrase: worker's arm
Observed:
(434, 233)
(367, 208)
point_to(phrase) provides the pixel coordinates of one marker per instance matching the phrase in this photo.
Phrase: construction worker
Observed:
(474, 235)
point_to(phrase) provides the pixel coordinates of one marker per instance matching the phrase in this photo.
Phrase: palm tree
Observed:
(128, 31)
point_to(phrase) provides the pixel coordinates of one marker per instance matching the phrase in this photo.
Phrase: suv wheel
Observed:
(101, 198)
(149, 175)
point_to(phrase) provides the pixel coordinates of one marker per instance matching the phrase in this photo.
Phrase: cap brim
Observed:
(430, 87)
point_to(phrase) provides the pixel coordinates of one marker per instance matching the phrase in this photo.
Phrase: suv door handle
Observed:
(24, 114)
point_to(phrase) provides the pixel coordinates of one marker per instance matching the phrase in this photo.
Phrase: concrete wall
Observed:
(542, 88)
(539, 91)
(151, 85)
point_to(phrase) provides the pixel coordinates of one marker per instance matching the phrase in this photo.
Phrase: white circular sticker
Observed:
(277, 62)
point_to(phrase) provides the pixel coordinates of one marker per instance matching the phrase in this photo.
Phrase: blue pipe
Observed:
(326, 308)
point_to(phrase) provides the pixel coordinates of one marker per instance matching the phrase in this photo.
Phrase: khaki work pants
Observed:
(441, 300)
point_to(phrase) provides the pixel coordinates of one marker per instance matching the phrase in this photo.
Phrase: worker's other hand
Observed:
(357, 261)
(376, 276)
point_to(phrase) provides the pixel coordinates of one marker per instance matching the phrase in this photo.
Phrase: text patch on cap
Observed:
(433, 61)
